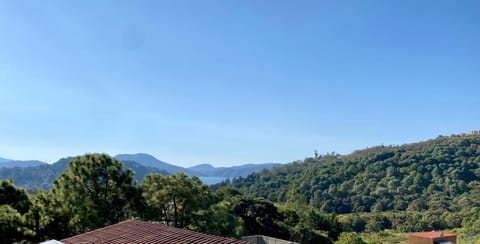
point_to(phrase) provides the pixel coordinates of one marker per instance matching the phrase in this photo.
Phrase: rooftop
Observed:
(136, 231)
(432, 234)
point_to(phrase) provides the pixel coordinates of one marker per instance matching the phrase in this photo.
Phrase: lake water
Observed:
(212, 180)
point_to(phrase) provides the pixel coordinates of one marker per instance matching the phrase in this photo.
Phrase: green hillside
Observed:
(440, 177)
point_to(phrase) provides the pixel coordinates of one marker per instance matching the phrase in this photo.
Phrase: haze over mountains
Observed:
(204, 170)
(149, 160)
(35, 174)
(4, 162)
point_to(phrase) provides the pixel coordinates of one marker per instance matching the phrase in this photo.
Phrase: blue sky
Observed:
(231, 82)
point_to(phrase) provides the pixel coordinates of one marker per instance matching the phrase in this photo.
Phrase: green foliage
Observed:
(96, 191)
(349, 238)
(304, 234)
(93, 192)
(353, 223)
(187, 203)
(219, 220)
(304, 224)
(471, 222)
(14, 203)
(386, 237)
(415, 187)
(440, 179)
(16, 198)
(175, 199)
(50, 217)
(322, 222)
(12, 226)
(259, 217)
(377, 223)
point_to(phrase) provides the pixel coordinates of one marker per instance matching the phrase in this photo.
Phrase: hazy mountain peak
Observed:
(202, 167)
(149, 160)
(137, 155)
(9, 163)
(4, 160)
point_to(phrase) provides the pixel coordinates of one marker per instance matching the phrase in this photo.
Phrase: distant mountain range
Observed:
(149, 160)
(35, 175)
(4, 162)
(231, 172)
(202, 170)
(42, 176)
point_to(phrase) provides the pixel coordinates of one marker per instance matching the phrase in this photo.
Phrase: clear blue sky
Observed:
(231, 82)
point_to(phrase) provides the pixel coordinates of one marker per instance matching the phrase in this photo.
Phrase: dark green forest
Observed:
(97, 190)
(414, 187)
(431, 185)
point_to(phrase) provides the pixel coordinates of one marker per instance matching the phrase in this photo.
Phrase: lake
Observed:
(212, 180)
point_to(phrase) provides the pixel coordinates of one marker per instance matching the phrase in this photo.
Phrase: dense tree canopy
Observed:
(95, 191)
(349, 238)
(12, 225)
(175, 199)
(439, 177)
(415, 187)
(17, 198)
(186, 203)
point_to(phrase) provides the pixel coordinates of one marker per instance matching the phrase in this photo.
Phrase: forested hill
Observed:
(439, 174)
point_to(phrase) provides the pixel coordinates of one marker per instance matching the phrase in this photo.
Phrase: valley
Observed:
(34, 175)
(373, 195)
